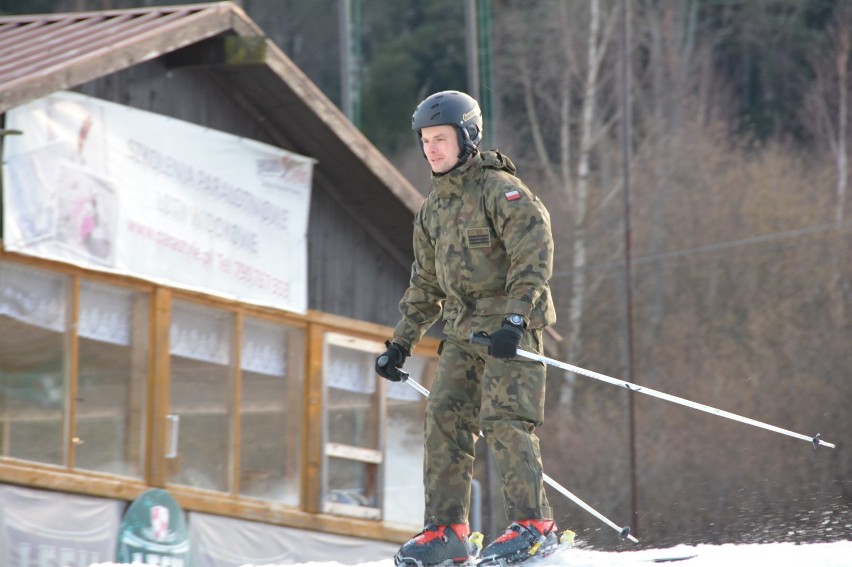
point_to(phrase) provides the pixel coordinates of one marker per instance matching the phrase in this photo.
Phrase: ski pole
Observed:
(624, 532)
(483, 339)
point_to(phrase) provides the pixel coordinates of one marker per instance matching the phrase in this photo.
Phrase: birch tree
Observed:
(827, 113)
(559, 75)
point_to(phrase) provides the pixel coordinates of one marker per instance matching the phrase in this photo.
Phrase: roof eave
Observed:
(208, 21)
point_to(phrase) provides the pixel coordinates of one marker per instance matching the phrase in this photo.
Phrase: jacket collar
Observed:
(457, 178)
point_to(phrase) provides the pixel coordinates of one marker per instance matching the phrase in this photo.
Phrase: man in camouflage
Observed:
(483, 254)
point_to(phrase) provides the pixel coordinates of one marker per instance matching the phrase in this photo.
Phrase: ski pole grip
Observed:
(480, 338)
(383, 361)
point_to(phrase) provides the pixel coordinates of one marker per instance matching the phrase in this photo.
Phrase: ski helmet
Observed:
(455, 109)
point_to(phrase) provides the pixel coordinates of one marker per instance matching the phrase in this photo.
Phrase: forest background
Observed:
(725, 277)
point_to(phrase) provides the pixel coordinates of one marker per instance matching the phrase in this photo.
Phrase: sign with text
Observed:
(112, 188)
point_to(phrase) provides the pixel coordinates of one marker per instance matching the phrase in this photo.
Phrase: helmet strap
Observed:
(466, 146)
(463, 157)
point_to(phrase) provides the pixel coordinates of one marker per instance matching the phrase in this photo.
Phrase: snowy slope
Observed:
(836, 554)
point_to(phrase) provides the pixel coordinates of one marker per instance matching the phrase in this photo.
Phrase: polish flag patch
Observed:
(512, 195)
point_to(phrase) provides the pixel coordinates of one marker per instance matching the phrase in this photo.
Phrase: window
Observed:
(77, 369)
(202, 347)
(404, 456)
(33, 360)
(210, 398)
(272, 363)
(373, 457)
(112, 379)
(353, 418)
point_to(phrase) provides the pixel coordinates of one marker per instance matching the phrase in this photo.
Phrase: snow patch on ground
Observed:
(836, 554)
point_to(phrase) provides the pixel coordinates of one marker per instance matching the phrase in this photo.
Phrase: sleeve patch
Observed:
(512, 195)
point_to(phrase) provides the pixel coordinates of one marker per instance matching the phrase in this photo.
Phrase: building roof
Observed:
(43, 53)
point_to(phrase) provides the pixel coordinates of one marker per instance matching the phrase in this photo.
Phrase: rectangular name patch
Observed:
(478, 238)
(512, 195)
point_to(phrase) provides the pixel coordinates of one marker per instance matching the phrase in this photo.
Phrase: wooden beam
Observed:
(235, 403)
(353, 453)
(27, 473)
(72, 368)
(312, 441)
(158, 398)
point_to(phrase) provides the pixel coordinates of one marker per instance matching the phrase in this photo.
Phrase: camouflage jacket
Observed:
(482, 248)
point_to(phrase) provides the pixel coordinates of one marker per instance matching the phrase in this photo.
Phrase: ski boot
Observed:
(440, 546)
(520, 541)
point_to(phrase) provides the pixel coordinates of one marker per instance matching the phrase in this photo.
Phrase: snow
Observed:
(835, 554)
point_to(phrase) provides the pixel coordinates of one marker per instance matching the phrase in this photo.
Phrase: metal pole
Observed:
(350, 48)
(471, 48)
(487, 88)
(482, 338)
(626, 157)
(474, 89)
(345, 8)
(813, 439)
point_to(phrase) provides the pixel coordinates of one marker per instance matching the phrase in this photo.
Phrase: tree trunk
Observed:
(581, 200)
(842, 64)
(840, 284)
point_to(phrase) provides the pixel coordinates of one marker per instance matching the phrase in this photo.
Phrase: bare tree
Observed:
(560, 95)
(596, 48)
(827, 113)
(842, 118)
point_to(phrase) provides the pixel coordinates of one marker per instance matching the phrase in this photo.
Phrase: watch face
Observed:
(516, 319)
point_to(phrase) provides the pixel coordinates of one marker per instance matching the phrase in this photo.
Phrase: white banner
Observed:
(117, 189)
(224, 542)
(40, 527)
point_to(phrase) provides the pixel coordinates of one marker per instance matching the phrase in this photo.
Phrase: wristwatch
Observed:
(516, 320)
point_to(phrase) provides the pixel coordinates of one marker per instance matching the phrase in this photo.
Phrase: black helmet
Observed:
(456, 109)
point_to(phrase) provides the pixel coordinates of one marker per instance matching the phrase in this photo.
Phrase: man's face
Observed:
(441, 146)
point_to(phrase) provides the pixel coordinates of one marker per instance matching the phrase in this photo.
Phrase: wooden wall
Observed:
(350, 272)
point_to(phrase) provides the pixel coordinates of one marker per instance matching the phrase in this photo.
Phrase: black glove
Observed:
(504, 343)
(388, 364)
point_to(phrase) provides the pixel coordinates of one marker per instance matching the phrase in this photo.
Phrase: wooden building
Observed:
(320, 444)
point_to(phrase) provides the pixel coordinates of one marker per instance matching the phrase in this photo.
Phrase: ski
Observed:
(672, 559)
(533, 556)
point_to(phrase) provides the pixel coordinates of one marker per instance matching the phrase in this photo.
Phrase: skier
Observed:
(483, 255)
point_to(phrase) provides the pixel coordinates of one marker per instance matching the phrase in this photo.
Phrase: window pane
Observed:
(352, 406)
(353, 424)
(112, 378)
(200, 342)
(352, 482)
(32, 364)
(404, 453)
(272, 360)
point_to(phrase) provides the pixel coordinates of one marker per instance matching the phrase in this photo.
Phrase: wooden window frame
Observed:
(314, 325)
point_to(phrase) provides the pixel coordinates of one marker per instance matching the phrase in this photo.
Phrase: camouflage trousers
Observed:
(504, 399)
